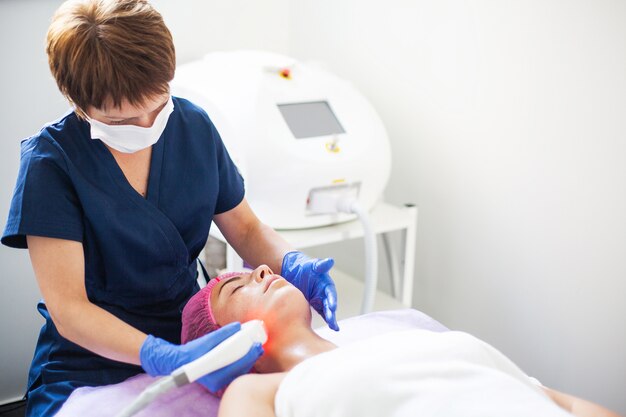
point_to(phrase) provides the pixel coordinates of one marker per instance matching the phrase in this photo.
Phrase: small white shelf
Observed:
(384, 218)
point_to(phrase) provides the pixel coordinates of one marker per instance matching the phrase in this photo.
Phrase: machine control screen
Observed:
(312, 119)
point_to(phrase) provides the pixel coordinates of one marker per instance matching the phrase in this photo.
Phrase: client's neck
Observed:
(288, 346)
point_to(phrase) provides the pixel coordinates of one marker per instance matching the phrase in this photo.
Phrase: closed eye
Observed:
(229, 282)
(235, 290)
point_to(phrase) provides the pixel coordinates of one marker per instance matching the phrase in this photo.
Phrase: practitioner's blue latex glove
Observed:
(159, 357)
(310, 275)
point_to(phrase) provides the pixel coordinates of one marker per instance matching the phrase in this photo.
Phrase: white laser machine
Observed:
(302, 138)
(227, 352)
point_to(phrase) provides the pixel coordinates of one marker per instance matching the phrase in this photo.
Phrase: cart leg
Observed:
(410, 237)
(394, 265)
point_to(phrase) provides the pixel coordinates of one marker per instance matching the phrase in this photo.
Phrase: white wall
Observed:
(31, 99)
(508, 126)
(199, 27)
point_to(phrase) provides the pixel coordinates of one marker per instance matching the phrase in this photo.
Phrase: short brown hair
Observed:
(105, 51)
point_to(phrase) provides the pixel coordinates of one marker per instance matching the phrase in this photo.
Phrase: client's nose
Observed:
(261, 272)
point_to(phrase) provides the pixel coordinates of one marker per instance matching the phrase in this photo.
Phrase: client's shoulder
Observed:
(250, 394)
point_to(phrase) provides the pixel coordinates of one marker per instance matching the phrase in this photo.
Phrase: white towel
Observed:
(414, 373)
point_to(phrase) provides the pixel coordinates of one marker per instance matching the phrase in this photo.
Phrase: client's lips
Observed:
(269, 281)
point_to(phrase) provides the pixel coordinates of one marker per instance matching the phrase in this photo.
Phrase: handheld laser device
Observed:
(228, 351)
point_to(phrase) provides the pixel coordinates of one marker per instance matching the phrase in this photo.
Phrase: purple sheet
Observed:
(193, 401)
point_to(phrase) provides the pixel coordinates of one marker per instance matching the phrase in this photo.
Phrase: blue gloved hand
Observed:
(159, 357)
(310, 275)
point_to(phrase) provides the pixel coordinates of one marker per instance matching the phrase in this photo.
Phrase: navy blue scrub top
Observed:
(140, 253)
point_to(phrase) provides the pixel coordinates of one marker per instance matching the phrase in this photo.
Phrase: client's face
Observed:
(258, 295)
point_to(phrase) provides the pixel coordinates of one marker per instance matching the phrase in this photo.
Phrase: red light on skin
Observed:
(267, 333)
(268, 325)
(268, 345)
(285, 73)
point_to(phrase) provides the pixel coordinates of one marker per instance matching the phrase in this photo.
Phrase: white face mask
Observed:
(131, 138)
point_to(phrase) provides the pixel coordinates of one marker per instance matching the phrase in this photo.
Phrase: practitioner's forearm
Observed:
(578, 406)
(59, 267)
(254, 241)
(101, 332)
(265, 246)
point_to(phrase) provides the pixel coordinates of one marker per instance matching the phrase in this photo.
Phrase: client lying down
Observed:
(408, 373)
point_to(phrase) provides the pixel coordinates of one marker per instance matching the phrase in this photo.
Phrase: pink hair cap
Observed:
(197, 317)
